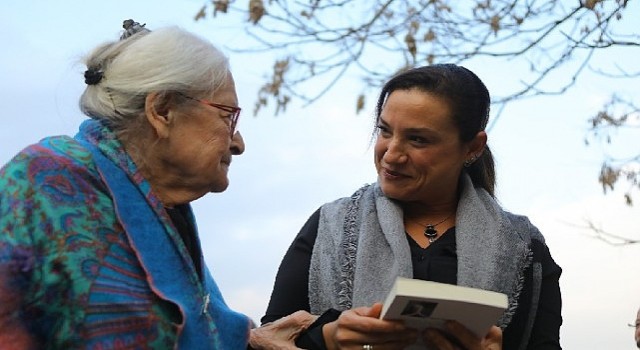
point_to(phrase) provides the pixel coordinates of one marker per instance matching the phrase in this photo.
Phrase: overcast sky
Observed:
(297, 161)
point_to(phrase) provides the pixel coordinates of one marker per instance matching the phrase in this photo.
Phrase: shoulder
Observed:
(43, 187)
(366, 191)
(56, 163)
(56, 170)
(332, 216)
(524, 227)
(51, 152)
(538, 245)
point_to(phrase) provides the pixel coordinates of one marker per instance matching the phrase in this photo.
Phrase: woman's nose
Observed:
(395, 152)
(237, 144)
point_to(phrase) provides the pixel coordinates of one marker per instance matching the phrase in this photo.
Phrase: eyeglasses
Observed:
(235, 111)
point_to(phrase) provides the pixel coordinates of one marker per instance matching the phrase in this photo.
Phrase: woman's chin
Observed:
(219, 186)
(394, 192)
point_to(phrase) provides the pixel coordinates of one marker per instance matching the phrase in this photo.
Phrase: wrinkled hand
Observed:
(362, 325)
(456, 336)
(282, 333)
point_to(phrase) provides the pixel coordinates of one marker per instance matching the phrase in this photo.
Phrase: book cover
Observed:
(421, 304)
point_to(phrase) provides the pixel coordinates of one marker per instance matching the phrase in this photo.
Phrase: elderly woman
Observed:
(431, 215)
(98, 244)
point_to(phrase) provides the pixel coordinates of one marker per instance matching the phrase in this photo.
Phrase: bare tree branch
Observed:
(552, 43)
(596, 232)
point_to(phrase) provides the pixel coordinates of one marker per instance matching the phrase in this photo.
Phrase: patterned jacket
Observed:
(90, 259)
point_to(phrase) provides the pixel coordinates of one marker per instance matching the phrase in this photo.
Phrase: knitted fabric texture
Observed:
(361, 248)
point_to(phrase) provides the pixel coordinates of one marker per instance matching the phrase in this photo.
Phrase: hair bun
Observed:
(132, 27)
(92, 76)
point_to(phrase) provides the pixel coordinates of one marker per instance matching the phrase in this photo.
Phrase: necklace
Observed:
(430, 229)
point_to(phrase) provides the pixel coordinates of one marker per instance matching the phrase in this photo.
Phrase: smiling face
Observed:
(418, 152)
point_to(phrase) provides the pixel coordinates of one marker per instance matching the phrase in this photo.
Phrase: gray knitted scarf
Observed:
(361, 248)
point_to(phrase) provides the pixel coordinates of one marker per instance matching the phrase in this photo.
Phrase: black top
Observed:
(179, 217)
(437, 262)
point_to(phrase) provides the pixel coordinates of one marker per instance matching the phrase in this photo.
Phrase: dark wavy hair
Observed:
(468, 99)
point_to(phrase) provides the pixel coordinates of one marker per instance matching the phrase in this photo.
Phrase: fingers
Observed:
(493, 339)
(456, 336)
(282, 333)
(301, 319)
(360, 326)
(373, 311)
(365, 320)
(437, 339)
(462, 335)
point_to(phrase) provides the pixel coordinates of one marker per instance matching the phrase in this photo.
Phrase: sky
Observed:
(308, 156)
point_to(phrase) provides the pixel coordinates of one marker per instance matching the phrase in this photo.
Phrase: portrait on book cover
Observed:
(418, 308)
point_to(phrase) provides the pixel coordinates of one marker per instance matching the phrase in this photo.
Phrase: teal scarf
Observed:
(207, 319)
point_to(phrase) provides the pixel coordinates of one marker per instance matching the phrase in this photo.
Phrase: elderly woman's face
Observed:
(201, 143)
(418, 152)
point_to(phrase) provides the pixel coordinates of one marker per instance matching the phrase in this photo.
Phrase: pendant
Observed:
(431, 233)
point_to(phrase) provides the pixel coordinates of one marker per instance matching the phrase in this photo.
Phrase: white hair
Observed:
(164, 60)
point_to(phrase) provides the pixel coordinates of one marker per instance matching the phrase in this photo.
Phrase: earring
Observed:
(467, 163)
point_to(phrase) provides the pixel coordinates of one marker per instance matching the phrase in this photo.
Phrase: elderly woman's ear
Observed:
(157, 107)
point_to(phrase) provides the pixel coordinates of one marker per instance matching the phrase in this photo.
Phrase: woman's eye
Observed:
(382, 129)
(227, 119)
(419, 140)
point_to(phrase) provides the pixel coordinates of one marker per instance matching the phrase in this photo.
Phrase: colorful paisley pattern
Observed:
(69, 277)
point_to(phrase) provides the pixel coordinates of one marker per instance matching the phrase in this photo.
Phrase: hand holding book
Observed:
(425, 304)
(363, 328)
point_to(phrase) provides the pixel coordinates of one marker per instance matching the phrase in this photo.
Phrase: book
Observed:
(422, 304)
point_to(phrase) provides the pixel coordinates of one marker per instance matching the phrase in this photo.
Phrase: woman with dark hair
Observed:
(431, 215)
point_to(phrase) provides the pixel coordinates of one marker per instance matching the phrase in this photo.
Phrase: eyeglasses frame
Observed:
(235, 111)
